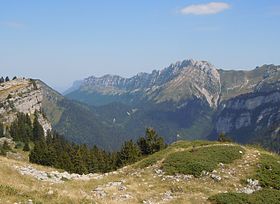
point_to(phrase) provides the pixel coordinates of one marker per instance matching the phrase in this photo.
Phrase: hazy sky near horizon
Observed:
(60, 41)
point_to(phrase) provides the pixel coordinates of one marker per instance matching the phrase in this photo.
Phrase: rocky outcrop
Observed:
(249, 115)
(21, 95)
(252, 186)
(9, 141)
(54, 176)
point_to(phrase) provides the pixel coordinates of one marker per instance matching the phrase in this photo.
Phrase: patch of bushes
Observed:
(200, 159)
(152, 159)
(268, 172)
(5, 148)
(224, 138)
(26, 147)
(19, 145)
(270, 196)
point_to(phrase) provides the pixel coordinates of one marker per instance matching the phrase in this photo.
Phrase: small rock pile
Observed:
(177, 177)
(215, 176)
(101, 191)
(252, 186)
(167, 196)
(148, 202)
(55, 176)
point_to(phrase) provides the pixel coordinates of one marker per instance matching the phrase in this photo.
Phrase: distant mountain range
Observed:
(187, 100)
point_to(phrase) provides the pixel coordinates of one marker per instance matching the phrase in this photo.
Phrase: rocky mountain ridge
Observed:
(197, 94)
(187, 100)
(178, 82)
(21, 95)
(202, 77)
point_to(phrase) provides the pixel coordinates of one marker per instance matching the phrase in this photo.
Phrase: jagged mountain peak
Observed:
(187, 79)
(201, 64)
(179, 65)
(156, 77)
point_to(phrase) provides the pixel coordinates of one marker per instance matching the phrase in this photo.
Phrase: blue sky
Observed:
(60, 41)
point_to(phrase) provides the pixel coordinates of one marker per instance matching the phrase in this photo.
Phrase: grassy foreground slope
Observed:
(213, 172)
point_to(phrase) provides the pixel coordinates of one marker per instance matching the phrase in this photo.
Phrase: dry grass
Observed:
(142, 184)
(5, 92)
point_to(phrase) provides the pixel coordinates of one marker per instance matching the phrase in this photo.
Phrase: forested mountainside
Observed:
(187, 100)
(190, 99)
(76, 120)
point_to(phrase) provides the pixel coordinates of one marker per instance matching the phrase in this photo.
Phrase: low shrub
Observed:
(152, 159)
(200, 159)
(270, 196)
(268, 172)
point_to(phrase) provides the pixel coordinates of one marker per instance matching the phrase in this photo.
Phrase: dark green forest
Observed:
(54, 150)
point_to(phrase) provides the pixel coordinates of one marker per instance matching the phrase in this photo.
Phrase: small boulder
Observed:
(216, 177)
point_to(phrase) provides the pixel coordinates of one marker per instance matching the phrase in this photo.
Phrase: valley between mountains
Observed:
(186, 100)
(209, 138)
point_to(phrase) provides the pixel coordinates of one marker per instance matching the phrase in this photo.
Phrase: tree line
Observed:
(54, 150)
(6, 79)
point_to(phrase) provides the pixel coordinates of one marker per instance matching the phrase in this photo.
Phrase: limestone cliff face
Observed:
(246, 115)
(21, 95)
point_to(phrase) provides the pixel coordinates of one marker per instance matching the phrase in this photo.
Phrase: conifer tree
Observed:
(2, 80)
(64, 161)
(55, 151)
(39, 154)
(129, 154)
(38, 131)
(26, 147)
(222, 137)
(151, 143)
(21, 128)
(2, 130)
(78, 163)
